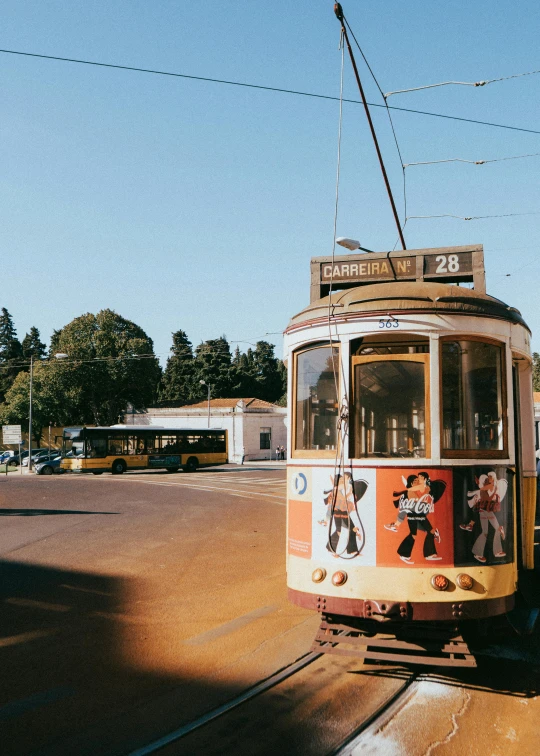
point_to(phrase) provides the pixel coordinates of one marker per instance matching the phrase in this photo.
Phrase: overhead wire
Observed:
(470, 217)
(462, 83)
(472, 162)
(248, 85)
(25, 363)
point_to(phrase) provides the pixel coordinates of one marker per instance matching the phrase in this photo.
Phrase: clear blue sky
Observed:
(193, 205)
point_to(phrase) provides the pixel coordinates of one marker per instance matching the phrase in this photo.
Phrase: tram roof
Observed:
(408, 296)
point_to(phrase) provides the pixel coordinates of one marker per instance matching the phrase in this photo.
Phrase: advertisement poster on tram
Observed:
(414, 517)
(483, 515)
(344, 516)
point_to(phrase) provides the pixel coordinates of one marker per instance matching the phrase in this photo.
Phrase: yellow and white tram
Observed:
(411, 470)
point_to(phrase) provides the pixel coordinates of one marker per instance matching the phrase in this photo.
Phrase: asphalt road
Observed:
(132, 602)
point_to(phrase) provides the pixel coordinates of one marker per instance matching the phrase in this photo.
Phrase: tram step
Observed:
(442, 646)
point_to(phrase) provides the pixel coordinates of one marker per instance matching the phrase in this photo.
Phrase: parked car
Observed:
(49, 466)
(36, 454)
(11, 457)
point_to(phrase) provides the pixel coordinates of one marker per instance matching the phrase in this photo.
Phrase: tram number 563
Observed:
(388, 323)
(447, 264)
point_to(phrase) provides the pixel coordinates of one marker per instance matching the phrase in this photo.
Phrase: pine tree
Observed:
(267, 372)
(213, 364)
(32, 346)
(178, 383)
(10, 353)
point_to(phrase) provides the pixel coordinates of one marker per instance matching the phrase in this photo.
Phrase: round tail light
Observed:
(465, 581)
(339, 578)
(440, 582)
(318, 575)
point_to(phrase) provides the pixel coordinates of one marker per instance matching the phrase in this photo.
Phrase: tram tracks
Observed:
(401, 688)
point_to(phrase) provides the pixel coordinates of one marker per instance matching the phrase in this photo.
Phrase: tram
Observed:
(411, 485)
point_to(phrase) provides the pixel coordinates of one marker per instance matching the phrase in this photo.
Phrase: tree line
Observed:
(111, 368)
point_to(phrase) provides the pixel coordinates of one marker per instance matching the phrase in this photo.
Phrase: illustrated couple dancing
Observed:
(485, 501)
(415, 503)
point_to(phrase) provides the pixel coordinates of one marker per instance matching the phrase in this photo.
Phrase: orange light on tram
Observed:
(440, 582)
(339, 578)
(465, 581)
(318, 575)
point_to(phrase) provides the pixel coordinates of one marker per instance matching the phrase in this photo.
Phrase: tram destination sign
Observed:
(445, 264)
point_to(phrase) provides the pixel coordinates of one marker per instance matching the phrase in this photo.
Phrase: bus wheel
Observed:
(191, 465)
(118, 467)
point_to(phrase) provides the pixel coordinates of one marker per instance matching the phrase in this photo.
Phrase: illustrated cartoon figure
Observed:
(486, 500)
(345, 530)
(415, 503)
(402, 513)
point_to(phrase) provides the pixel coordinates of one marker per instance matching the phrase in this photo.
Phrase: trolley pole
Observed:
(338, 10)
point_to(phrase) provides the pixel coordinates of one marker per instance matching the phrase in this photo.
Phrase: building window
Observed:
(266, 438)
(473, 397)
(316, 399)
(390, 410)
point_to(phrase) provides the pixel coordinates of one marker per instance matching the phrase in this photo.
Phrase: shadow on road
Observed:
(40, 512)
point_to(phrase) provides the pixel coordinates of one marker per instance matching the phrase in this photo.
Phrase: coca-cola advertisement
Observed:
(414, 517)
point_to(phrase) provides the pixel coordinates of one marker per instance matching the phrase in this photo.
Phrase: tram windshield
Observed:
(389, 406)
(472, 396)
(317, 377)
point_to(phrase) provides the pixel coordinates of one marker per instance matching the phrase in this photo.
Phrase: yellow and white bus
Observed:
(136, 447)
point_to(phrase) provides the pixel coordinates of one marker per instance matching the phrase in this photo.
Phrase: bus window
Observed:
(169, 444)
(135, 445)
(117, 445)
(472, 397)
(96, 447)
(389, 417)
(316, 402)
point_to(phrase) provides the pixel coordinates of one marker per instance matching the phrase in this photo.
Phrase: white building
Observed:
(257, 426)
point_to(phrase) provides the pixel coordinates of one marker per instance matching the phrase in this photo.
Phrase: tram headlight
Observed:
(318, 575)
(339, 578)
(440, 582)
(465, 581)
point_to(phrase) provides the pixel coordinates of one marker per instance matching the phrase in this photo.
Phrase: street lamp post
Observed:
(204, 383)
(58, 356)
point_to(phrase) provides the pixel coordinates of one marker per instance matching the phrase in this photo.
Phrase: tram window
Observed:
(389, 406)
(472, 396)
(397, 344)
(316, 402)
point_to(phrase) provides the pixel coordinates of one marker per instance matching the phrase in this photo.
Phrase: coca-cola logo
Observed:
(422, 506)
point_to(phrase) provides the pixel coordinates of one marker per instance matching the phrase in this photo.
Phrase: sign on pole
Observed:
(11, 434)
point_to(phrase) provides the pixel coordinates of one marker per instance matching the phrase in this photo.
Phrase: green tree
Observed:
(267, 372)
(178, 383)
(48, 403)
(32, 346)
(213, 364)
(10, 353)
(536, 371)
(111, 363)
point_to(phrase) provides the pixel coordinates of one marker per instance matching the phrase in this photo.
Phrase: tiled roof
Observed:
(251, 402)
